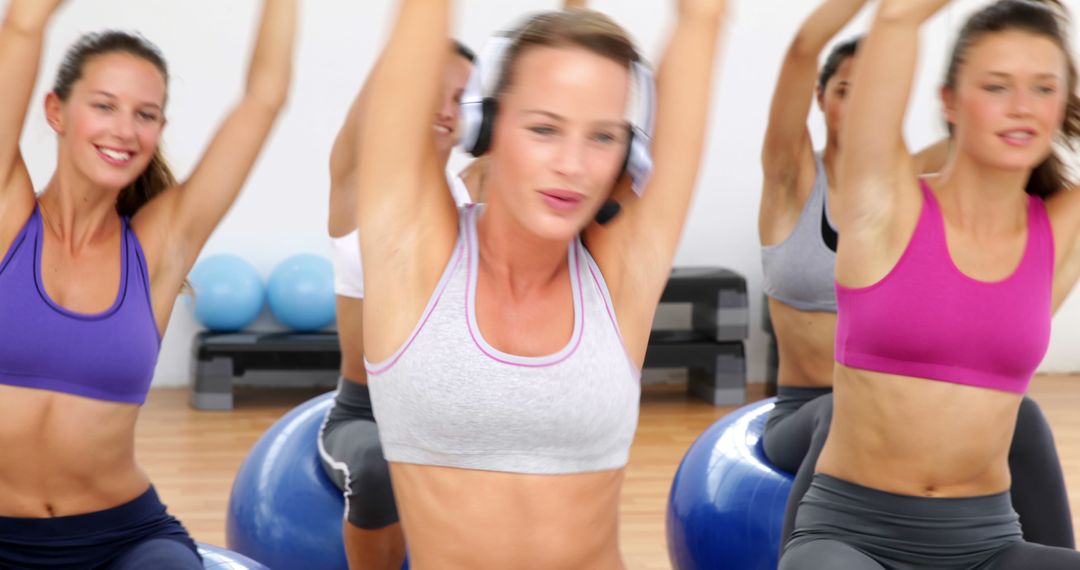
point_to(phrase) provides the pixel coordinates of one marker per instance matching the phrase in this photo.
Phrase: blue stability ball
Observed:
(284, 511)
(228, 293)
(726, 508)
(301, 292)
(215, 558)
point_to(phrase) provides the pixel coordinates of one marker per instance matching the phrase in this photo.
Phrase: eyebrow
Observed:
(1038, 76)
(560, 118)
(111, 96)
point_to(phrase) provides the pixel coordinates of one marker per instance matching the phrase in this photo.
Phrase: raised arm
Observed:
(344, 158)
(20, 53)
(573, 4)
(189, 212)
(400, 183)
(639, 245)
(787, 145)
(876, 170)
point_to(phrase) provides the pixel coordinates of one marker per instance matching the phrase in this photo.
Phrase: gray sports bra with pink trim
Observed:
(448, 398)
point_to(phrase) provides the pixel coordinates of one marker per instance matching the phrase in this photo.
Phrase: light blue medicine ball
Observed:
(229, 293)
(301, 292)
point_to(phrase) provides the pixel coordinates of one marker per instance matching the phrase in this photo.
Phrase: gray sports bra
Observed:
(801, 270)
(448, 398)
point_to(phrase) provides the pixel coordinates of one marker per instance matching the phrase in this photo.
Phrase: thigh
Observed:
(1031, 556)
(159, 554)
(826, 554)
(352, 449)
(353, 457)
(820, 411)
(1038, 484)
(788, 434)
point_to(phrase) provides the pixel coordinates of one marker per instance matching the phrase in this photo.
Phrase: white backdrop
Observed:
(283, 208)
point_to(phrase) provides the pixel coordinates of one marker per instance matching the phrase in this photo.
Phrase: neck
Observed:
(829, 156)
(982, 198)
(76, 211)
(514, 257)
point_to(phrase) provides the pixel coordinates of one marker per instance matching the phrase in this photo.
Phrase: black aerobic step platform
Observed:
(716, 371)
(719, 307)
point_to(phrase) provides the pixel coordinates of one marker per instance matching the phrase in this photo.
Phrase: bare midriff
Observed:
(65, 455)
(919, 437)
(470, 519)
(805, 342)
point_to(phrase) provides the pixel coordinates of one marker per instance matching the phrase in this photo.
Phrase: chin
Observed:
(559, 228)
(1017, 162)
(113, 180)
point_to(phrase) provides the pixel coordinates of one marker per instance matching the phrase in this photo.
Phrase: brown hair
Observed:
(157, 177)
(1044, 18)
(585, 29)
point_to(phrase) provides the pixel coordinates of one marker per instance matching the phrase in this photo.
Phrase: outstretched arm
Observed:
(876, 168)
(787, 145)
(637, 247)
(21, 37)
(191, 211)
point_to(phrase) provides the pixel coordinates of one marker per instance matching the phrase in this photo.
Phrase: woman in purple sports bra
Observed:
(91, 267)
(945, 290)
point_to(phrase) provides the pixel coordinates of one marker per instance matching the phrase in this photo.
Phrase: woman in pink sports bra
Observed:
(945, 289)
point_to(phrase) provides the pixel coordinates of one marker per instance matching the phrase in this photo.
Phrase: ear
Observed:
(820, 96)
(948, 103)
(54, 112)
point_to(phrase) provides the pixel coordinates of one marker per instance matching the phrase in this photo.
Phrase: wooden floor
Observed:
(192, 456)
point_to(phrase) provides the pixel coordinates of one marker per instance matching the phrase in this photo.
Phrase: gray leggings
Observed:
(792, 424)
(353, 458)
(1038, 485)
(847, 526)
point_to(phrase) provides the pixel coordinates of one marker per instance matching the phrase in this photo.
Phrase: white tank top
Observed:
(345, 250)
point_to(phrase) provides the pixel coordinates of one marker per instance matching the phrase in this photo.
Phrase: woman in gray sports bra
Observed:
(799, 258)
(504, 342)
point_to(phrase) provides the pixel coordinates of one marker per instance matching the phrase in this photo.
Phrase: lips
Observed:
(1018, 137)
(441, 129)
(114, 156)
(562, 200)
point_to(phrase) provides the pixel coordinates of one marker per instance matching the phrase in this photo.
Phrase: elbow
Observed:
(804, 48)
(906, 12)
(272, 97)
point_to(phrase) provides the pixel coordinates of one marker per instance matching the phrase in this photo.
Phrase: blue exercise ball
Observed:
(215, 558)
(726, 508)
(283, 510)
(228, 293)
(301, 292)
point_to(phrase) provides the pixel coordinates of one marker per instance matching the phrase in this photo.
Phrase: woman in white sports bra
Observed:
(504, 342)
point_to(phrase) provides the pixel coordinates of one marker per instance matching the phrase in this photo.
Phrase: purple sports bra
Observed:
(106, 356)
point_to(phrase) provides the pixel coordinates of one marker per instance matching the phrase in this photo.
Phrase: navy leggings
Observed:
(139, 534)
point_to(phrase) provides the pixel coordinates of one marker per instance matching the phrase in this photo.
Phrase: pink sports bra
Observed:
(927, 319)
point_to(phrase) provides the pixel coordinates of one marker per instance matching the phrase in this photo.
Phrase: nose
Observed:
(123, 126)
(1020, 104)
(570, 157)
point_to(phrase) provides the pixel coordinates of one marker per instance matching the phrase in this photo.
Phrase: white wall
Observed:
(283, 209)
